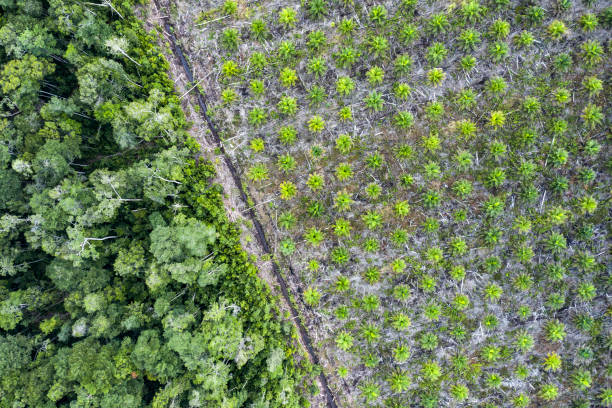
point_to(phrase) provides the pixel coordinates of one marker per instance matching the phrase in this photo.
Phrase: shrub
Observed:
(370, 332)
(344, 171)
(342, 227)
(499, 30)
(524, 342)
(346, 27)
(467, 63)
(316, 40)
(342, 201)
(459, 392)
(562, 62)
(438, 23)
(461, 302)
(257, 62)
(257, 117)
(548, 392)
(286, 163)
(312, 296)
(378, 15)
(317, 8)
(435, 76)
(258, 172)
(401, 321)
(408, 33)
(524, 39)
(287, 18)
(287, 246)
(230, 69)
(428, 341)
(378, 46)
(315, 181)
(345, 114)
(372, 219)
(557, 29)
(347, 57)
(230, 7)
(259, 30)
(535, 14)
(288, 190)
(402, 65)
(314, 236)
(402, 91)
(469, 39)
(370, 391)
(374, 101)
(592, 85)
(344, 86)
(434, 111)
(555, 243)
(340, 255)
(592, 115)
(257, 87)
(229, 39)
(287, 105)
(490, 353)
(592, 52)
(555, 330)
(403, 120)
(344, 340)
(288, 77)
(430, 371)
(229, 96)
(497, 119)
(317, 95)
(606, 397)
(342, 284)
(471, 11)
(316, 124)
(588, 22)
(402, 208)
(457, 272)
(399, 381)
(287, 135)
(493, 381)
(317, 67)
(498, 51)
(436, 53)
(374, 161)
(466, 99)
(582, 379)
(521, 401)
(344, 143)
(286, 51)
(375, 75)
(257, 144)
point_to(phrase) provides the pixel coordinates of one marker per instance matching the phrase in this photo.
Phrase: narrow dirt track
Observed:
(232, 184)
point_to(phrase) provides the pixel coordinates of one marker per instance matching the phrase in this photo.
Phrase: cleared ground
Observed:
(435, 178)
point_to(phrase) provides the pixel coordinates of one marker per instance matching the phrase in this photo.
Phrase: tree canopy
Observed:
(122, 283)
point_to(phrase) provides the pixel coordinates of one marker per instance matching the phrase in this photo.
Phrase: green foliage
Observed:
(129, 286)
(469, 39)
(438, 23)
(344, 341)
(287, 17)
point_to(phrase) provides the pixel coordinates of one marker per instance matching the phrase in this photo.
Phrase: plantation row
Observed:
(438, 177)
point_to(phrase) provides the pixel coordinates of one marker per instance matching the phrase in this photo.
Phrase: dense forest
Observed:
(122, 282)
